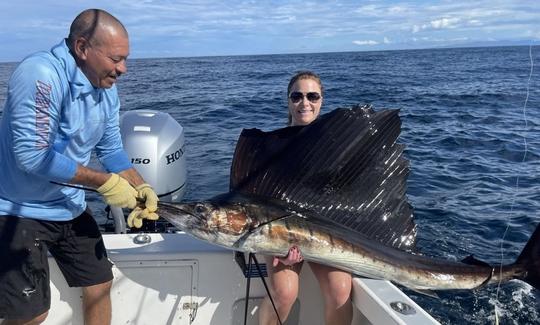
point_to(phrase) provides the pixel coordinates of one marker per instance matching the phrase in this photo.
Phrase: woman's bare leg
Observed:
(336, 288)
(284, 290)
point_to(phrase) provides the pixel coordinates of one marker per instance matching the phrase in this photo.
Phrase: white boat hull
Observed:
(175, 279)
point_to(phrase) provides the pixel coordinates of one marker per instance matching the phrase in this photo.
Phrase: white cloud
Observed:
(366, 42)
(444, 23)
(369, 10)
(395, 10)
(384, 10)
(251, 26)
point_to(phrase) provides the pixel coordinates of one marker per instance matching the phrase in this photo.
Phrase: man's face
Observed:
(105, 59)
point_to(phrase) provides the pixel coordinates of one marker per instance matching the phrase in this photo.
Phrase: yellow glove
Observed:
(146, 194)
(117, 192)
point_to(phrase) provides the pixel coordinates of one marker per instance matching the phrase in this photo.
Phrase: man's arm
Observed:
(92, 178)
(116, 190)
(89, 177)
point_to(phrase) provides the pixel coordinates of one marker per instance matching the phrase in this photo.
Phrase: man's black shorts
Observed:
(76, 245)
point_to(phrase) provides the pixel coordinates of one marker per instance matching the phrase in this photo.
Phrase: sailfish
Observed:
(336, 189)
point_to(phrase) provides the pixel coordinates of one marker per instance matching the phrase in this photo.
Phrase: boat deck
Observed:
(175, 279)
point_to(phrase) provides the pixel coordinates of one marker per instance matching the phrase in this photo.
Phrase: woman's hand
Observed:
(294, 256)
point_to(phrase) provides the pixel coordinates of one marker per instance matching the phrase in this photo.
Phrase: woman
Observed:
(304, 101)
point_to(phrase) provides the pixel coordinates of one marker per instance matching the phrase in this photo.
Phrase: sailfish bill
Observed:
(336, 189)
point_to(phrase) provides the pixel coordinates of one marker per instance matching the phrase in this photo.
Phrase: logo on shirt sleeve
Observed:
(43, 104)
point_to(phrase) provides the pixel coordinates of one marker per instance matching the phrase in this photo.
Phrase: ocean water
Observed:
(470, 121)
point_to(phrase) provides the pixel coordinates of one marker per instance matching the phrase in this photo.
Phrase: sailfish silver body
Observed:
(336, 189)
(250, 225)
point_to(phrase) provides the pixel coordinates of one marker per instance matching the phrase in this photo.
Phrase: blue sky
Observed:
(169, 28)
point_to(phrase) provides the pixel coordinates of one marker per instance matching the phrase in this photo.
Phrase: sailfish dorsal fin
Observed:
(346, 167)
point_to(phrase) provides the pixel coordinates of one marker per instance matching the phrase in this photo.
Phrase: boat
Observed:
(168, 277)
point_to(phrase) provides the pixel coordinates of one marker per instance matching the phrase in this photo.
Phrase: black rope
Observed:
(266, 287)
(84, 188)
(79, 187)
(252, 257)
(248, 285)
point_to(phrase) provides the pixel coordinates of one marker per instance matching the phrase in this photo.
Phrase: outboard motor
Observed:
(155, 144)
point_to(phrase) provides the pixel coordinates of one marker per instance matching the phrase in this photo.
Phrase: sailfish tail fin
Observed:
(530, 259)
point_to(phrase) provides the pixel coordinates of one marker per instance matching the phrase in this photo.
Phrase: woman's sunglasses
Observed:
(297, 96)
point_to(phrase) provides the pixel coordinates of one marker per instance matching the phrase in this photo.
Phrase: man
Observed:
(62, 105)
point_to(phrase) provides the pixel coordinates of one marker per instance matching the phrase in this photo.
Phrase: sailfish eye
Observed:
(199, 209)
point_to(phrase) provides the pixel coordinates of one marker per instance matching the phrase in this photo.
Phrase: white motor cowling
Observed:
(155, 144)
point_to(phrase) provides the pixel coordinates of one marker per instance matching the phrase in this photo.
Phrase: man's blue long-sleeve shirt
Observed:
(52, 120)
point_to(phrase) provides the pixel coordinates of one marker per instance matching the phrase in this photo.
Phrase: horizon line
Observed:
(534, 43)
